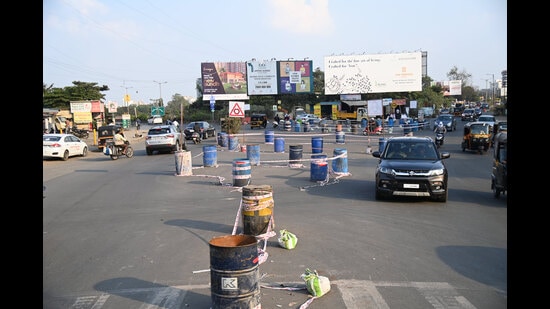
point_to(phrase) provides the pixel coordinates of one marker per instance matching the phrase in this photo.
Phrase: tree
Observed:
(62, 97)
(463, 76)
(173, 108)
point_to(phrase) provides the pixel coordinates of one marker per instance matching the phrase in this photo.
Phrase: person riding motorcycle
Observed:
(120, 140)
(440, 128)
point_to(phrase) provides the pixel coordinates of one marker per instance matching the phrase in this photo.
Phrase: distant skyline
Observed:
(153, 48)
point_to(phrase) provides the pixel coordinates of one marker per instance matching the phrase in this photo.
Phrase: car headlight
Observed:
(385, 170)
(437, 172)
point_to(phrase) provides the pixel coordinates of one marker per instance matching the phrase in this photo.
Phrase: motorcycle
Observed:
(439, 136)
(373, 130)
(116, 150)
(196, 137)
(81, 133)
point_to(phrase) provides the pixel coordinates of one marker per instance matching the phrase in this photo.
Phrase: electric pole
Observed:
(160, 91)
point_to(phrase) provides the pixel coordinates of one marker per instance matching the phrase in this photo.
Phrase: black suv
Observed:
(468, 114)
(411, 166)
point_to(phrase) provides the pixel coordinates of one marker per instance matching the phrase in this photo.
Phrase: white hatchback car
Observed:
(63, 146)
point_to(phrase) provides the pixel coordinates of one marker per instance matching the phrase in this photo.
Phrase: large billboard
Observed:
(295, 77)
(279, 77)
(224, 80)
(376, 73)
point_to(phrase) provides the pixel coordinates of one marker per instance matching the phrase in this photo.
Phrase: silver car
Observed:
(165, 138)
(448, 120)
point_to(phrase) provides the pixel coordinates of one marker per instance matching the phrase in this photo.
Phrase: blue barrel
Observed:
(381, 144)
(340, 137)
(295, 154)
(316, 144)
(253, 154)
(269, 136)
(363, 123)
(210, 155)
(222, 139)
(279, 144)
(319, 167)
(234, 259)
(233, 142)
(340, 164)
(296, 126)
(241, 172)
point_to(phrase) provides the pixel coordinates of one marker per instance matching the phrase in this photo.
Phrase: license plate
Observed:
(411, 186)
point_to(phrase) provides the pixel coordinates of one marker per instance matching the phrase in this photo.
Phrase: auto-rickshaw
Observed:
(499, 174)
(106, 134)
(498, 127)
(477, 137)
(258, 121)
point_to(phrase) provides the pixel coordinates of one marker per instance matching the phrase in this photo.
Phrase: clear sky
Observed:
(149, 48)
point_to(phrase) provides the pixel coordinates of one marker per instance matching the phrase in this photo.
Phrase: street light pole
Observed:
(160, 91)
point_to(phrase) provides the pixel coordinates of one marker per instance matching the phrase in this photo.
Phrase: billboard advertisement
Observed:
(261, 77)
(376, 73)
(279, 77)
(224, 80)
(295, 77)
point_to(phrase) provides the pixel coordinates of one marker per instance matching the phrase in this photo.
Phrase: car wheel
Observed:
(84, 152)
(149, 152)
(442, 198)
(65, 155)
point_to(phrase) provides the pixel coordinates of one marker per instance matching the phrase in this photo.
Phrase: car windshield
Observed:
(410, 151)
(486, 118)
(446, 118)
(479, 129)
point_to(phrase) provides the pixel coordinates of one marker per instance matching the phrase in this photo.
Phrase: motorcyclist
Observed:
(120, 140)
(440, 128)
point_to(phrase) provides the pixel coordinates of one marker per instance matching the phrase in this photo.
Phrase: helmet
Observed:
(440, 124)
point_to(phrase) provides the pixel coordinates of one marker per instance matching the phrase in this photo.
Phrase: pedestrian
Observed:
(138, 124)
(390, 123)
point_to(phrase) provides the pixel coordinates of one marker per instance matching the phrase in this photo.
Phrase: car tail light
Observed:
(56, 145)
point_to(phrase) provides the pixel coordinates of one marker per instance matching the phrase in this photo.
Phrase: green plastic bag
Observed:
(316, 285)
(287, 240)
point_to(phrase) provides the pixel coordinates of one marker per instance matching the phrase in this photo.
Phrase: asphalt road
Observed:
(131, 233)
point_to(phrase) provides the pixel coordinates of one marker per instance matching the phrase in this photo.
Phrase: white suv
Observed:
(156, 119)
(164, 138)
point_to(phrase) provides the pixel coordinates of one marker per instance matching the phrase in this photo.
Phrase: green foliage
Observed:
(231, 125)
(61, 97)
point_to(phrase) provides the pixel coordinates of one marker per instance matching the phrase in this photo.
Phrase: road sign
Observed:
(112, 107)
(159, 110)
(236, 109)
(212, 103)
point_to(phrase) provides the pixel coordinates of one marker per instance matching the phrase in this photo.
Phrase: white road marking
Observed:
(356, 294)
